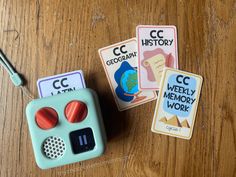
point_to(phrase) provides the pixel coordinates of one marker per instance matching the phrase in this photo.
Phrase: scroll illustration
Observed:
(154, 61)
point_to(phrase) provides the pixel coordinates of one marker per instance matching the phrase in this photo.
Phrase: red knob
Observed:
(46, 118)
(76, 111)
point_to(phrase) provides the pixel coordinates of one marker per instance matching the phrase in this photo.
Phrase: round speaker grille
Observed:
(54, 147)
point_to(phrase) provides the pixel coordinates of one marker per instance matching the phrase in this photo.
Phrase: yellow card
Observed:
(177, 103)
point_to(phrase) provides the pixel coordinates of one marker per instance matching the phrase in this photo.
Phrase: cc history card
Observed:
(157, 48)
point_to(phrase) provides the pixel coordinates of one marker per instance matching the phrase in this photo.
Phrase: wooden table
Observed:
(43, 38)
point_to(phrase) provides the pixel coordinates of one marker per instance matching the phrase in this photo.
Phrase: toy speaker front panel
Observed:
(65, 142)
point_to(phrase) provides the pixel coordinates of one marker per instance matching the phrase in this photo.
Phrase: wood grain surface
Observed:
(47, 37)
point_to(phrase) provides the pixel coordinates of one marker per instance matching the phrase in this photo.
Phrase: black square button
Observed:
(82, 140)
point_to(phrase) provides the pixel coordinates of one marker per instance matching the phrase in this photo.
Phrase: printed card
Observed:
(177, 103)
(120, 64)
(157, 48)
(61, 83)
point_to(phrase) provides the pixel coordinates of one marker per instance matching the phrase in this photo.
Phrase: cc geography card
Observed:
(157, 48)
(120, 62)
(177, 103)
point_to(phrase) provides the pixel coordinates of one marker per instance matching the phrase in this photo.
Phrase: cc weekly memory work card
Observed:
(120, 64)
(177, 103)
(157, 48)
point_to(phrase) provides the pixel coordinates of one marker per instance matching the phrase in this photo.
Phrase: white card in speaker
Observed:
(61, 83)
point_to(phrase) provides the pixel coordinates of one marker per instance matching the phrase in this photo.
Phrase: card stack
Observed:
(138, 67)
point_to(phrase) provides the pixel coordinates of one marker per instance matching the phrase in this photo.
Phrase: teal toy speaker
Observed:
(66, 128)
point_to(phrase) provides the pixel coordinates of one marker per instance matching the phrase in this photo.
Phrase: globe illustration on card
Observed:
(127, 80)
